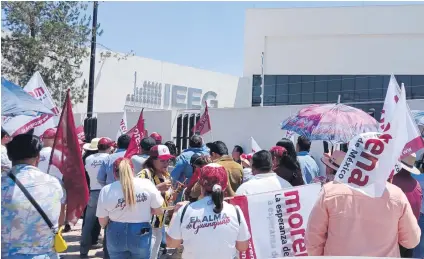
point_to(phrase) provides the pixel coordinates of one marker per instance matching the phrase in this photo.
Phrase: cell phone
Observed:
(144, 231)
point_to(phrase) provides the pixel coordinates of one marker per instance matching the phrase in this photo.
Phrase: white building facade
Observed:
(132, 82)
(313, 55)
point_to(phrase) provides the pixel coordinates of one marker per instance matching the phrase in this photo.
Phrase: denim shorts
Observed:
(128, 240)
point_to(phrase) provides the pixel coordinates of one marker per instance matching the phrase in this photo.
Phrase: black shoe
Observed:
(84, 256)
(67, 228)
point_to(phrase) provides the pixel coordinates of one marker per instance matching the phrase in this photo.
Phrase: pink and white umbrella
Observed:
(337, 123)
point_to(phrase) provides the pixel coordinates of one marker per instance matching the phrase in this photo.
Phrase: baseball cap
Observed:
(49, 133)
(161, 152)
(147, 143)
(105, 142)
(157, 137)
(211, 175)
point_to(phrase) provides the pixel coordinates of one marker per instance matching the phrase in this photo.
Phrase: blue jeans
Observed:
(90, 222)
(128, 240)
(419, 250)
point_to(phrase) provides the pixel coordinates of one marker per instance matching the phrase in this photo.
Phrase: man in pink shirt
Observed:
(345, 222)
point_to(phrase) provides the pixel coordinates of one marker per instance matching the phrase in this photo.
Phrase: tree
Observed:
(50, 37)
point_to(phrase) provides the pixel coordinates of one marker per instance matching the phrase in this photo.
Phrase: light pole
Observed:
(92, 62)
(90, 124)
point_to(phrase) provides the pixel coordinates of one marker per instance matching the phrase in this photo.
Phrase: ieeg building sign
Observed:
(168, 96)
(134, 83)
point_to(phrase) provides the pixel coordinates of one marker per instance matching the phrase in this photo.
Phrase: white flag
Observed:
(123, 128)
(414, 140)
(21, 124)
(255, 146)
(372, 156)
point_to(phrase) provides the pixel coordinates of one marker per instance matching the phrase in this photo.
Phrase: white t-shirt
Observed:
(259, 183)
(112, 203)
(92, 165)
(208, 235)
(43, 164)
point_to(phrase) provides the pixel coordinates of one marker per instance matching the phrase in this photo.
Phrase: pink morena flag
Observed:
(255, 146)
(139, 133)
(203, 126)
(123, 128)
(80, 133)
(414, 140)
(66, 156)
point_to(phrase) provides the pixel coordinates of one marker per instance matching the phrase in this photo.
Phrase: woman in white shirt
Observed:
(125, 208)
(210, 227)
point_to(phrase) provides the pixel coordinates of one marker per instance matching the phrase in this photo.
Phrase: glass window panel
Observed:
(417, 87)
(256, 91)
(348, 89)
(308, 89)
(386, 80)
(269, 90)
(256, 80)
(282, 90)
(361, 88)
(406, 80)
(334, 87)
(375, 84)
(256, 101)
(321, 89)
(295, 89)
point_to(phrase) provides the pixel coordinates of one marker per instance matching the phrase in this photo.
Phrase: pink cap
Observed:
(106, 142)
(213, 174)
(49, 133)
(157, 137)
(161, 152)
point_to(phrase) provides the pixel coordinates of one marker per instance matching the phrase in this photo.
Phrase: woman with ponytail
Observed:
(125, 208)
(210, 227)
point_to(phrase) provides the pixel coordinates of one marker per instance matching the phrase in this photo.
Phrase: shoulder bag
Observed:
(59, 243)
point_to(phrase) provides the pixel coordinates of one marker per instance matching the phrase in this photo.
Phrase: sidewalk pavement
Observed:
(73, 238)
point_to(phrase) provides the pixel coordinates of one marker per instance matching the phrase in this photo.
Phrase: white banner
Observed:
(123, 128)
(21, 124)
(410, 129)
(372, 156)
(277, 221)
(254, 145)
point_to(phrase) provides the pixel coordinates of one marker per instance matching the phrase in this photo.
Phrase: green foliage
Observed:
(50, 37)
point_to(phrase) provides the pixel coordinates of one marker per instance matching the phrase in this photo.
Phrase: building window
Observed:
(282, 90)
(308, 89)
(256, 90)
(321, 89)
(362, 91)
(270, 84)
(417, 87)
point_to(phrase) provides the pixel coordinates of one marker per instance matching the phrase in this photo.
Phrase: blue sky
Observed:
(207, 35)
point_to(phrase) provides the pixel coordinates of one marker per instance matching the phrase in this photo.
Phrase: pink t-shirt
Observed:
(345, 222)
(411, 188)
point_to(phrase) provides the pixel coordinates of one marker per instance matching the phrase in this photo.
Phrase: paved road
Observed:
(73, 239)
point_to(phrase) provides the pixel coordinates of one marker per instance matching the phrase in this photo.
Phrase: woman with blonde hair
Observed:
(124, 209)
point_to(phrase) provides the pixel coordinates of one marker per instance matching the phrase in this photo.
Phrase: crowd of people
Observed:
(160, 201)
